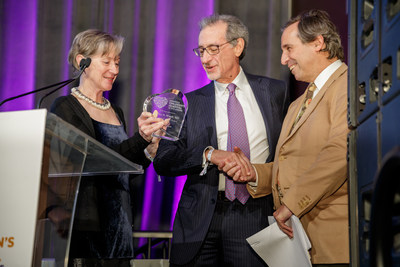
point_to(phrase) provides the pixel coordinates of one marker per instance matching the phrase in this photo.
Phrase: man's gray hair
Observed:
(236, 29)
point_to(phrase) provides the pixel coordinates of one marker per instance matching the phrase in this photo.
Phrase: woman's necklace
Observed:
(103, 106)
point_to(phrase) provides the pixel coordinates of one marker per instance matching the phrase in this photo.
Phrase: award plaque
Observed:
(170, 104)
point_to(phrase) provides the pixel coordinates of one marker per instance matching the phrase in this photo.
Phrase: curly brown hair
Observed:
(315, 22)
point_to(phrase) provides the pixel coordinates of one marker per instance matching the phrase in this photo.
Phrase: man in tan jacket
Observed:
(308, 177)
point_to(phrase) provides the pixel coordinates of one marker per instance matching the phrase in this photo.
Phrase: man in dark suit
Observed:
(211, 225)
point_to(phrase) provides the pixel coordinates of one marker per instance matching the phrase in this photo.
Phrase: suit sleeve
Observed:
(175, 158)
(185, 156)
(264, 183)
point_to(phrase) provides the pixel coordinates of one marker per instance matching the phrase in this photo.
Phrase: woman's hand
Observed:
(153, 146)
(149, 124)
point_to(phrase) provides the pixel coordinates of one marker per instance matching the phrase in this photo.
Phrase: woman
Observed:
(103, 220)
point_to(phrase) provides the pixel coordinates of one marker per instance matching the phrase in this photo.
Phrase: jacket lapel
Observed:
(291, 116)
(263, 100)
(261, 94)
(315, 101)
(206, 104)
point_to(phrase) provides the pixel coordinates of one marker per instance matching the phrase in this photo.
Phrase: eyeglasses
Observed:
(211, 49)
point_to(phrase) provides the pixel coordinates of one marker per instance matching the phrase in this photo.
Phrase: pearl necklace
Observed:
(103, 106)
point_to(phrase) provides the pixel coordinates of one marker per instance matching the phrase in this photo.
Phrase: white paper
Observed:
(277, 249)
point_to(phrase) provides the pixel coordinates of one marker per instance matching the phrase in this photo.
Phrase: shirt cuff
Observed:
(205, 163)
(148, 156)
(253, 185)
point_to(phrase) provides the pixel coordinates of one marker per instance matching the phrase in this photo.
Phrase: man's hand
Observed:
(282, 215)
(61, 219)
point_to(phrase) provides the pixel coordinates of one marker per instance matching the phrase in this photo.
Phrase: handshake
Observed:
(234, 164)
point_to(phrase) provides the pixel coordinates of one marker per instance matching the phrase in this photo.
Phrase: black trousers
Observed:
(233, 222)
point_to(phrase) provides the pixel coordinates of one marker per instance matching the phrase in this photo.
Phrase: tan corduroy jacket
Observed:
(311, 166)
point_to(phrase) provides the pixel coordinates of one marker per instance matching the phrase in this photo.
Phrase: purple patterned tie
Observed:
(237, 136)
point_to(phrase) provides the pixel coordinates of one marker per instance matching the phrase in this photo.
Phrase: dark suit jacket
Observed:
(185, 156)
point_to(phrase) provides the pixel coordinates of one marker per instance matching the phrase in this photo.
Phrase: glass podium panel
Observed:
(65, 140)
(69, 155)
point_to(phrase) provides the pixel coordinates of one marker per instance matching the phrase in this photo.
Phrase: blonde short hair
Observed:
(91, 42)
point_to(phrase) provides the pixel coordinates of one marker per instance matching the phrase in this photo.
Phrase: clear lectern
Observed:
(42, 160)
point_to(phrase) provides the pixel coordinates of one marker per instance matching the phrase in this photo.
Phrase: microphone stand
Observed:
(61, 86)
(83, 65)
(63, 83)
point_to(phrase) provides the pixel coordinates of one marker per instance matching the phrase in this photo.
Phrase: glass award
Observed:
(170, 104)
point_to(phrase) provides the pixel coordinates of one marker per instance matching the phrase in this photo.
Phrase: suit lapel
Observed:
(316, 100)
(206, 105)
(291, 115)
(264, 103)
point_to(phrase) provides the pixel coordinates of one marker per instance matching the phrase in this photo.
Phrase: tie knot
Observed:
(312, 87)
(231, 88)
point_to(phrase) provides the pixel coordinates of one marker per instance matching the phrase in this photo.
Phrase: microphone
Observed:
(85, 62)
(82, 66)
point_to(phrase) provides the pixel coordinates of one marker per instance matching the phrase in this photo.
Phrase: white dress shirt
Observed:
(257, 134)
(325, 75)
